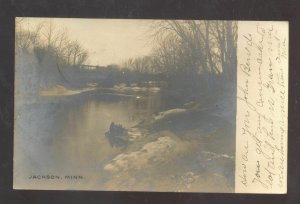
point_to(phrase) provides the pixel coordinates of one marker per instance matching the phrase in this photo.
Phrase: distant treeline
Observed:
(191, 56)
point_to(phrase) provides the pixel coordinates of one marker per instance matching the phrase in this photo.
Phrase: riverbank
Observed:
(182, 155)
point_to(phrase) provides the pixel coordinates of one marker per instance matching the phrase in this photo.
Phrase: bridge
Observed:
(89, 67)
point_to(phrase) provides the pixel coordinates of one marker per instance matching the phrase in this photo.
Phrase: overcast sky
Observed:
(109, 41)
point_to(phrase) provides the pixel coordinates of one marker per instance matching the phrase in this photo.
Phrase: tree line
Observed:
(191, 53)
(188, 54)
(47, 39)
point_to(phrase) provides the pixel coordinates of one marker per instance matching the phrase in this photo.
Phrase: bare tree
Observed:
(197, 47)
(27, 38)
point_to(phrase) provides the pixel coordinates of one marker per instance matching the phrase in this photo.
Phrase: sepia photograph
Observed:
(125, 105)
(149, 101)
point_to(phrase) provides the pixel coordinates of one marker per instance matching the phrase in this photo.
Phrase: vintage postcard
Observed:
(151, 105)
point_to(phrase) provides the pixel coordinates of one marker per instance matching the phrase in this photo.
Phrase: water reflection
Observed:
(70, 132)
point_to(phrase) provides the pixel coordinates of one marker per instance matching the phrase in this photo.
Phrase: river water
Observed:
(65, 136)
